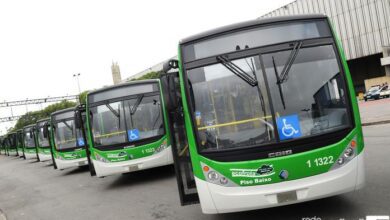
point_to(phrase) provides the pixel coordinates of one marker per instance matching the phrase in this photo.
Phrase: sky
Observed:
(44, 42)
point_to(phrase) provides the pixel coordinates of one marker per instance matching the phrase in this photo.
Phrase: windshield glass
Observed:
(108, 124)
(314, 92)
(20, 139)
(127, 121)
(229, 113)
(65, 134)
(28, 139)
(42, 141)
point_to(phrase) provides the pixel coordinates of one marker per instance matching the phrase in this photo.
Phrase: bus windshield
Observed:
(66, 135)
(309, 99)
(42, 141)
(28, 139)
(127, 120)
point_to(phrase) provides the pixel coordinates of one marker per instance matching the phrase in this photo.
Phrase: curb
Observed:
(376, 123)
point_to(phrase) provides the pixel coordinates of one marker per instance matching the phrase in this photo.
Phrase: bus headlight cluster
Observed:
(100, 158)
(58, 156)
(215, 177)
(348, 154)
(162, 147)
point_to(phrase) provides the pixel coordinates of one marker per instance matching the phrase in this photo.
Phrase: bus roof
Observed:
(29, 126)
(63, 111)
(137, 82)
(247, 24)
(41, 120)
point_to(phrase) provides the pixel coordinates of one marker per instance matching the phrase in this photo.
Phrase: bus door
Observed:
(81, 125)
(181, 155)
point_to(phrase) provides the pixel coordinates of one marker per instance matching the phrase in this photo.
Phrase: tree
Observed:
(83, 97)
(33, 117)
(150, 75)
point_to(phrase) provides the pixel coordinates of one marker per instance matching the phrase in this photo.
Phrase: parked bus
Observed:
(30, 148)
(2, 145)
(5, 144)
(43, 141)
(270, 116)
(11, 146)
(68, 146)
(20, 142)
(127, 128)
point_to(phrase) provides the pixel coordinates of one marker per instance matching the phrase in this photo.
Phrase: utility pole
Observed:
(77, 76)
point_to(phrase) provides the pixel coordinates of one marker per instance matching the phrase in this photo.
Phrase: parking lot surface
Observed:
(34, 190)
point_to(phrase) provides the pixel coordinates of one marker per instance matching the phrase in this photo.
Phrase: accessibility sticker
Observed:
(133, 134)
(80, 142)
(288, 127)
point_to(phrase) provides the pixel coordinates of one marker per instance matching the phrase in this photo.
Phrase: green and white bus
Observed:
(127, 128)
(43, 141)
(2, 145)
(68, 146)
(30, 148)
(270, 115)
(11, 145)
(20, 142)
(5, 144)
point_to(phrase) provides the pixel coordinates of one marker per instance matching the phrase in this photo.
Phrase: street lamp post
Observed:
(77, 75)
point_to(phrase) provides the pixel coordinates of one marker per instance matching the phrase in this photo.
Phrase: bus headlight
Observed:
(162, 147)
(348, 154)
(100, 158)
(212, 176)
(340, 161)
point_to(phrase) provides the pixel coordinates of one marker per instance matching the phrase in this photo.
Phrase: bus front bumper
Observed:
(160, 159)
(44, 157)
(218, 199)
(30, 155)
(64, 164)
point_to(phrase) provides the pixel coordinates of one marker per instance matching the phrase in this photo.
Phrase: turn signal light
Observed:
(353, 143)
(206, 169)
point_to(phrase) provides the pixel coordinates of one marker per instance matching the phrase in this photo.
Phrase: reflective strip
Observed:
(235, 123)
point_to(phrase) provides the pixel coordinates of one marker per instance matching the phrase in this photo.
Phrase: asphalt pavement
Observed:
(34, 190)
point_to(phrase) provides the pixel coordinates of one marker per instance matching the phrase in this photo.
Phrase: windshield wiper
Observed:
(113, 110)
(135, 106)
(67, 125)
(279, 85)
(116, 113)
(237, 70)
(286, 69)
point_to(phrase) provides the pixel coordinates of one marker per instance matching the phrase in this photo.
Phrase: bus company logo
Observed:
(118, 155)
(72, 155)
(265, 170)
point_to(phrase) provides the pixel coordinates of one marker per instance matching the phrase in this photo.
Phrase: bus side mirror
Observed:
(170, 64)
(77, 119)
(31, 135)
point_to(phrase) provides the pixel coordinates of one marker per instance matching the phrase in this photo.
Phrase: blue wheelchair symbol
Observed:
(80, 142)
(288, 127)
(133, 134)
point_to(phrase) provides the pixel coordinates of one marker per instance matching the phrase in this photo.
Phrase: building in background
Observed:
(363, 27)
(116, 73)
